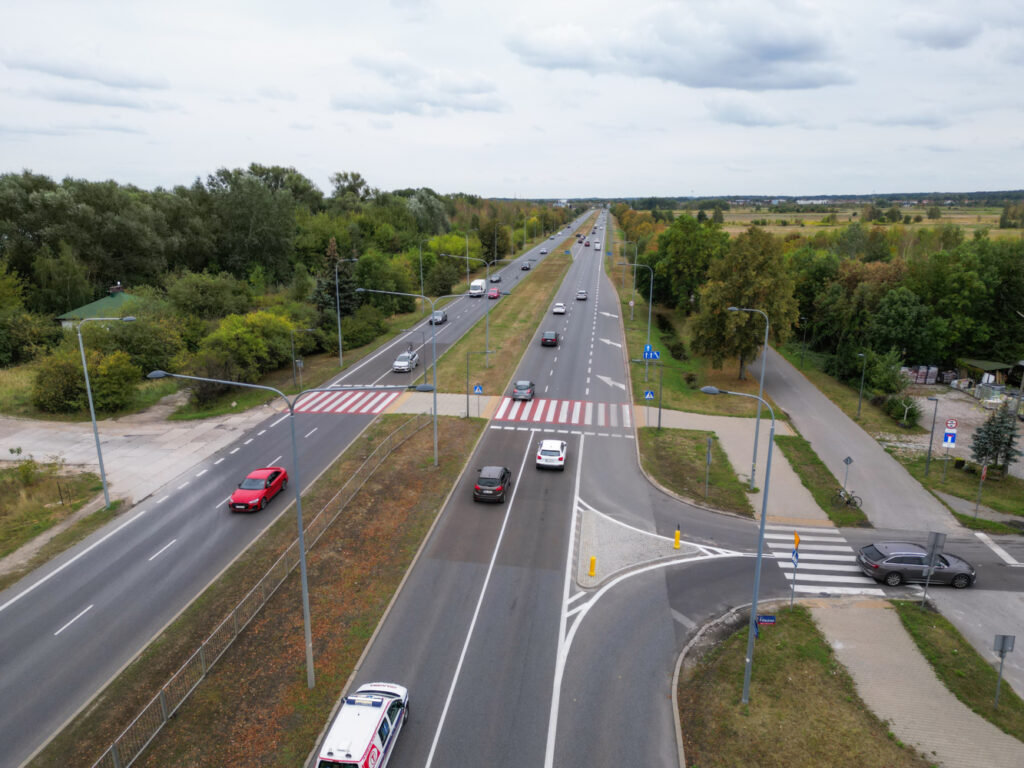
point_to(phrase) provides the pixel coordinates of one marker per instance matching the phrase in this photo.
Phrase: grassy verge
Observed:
(676, 458)
(817, 479)
(970, 678)
(513, 320)
(1004, 494)
(351, 580)
(987, 526)
(804, 710)
(872, 419)
(37, 497)
(62, 541)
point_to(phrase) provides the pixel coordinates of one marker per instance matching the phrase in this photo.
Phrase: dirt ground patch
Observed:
(952, 404)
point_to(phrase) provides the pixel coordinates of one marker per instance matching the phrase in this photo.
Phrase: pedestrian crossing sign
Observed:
(478, 389)
(649, 394)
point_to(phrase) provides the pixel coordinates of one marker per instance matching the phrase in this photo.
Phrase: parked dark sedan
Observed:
(895, 562)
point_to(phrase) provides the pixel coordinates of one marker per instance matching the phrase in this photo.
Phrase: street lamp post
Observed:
(803, 346)
(760, 386)
(751, 629)
(433, 341)
(931, 436)
(863, 368)
(650, 304)
(423, 336)
(88, 394)
(337, 306)
(294, 331)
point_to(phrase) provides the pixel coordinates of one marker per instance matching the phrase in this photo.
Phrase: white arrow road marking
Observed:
(608, 314)
(611, 383)
(613, 343)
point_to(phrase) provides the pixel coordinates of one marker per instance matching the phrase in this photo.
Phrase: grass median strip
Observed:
(959, 667)
(817, 479)
(255, 701)
(804, 710)
(676, 458)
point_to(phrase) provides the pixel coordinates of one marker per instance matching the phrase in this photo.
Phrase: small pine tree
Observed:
(994, 442)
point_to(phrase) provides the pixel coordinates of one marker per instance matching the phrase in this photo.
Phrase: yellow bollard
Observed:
(593, 566)
(676, 545)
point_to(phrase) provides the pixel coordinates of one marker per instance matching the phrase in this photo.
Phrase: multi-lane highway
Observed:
(68, 627)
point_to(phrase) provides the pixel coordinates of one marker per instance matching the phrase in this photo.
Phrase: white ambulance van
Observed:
(477, 287)
(364, 732)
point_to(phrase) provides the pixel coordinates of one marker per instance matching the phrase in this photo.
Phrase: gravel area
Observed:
(953, 404)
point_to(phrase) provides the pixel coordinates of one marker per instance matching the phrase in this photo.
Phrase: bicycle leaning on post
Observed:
(845, 497)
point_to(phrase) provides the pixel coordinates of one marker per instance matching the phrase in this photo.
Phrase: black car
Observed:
(492, 484)
(496, 278)
(549, 339)
(895, 562)
(526, 266)
(438, 316)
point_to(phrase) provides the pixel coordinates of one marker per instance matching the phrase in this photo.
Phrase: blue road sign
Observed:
(652, 354)
(648, 394)
(949, 438)
(796, 557)
(765, 619)
(477, 389)
(648, 348)
(567, 253)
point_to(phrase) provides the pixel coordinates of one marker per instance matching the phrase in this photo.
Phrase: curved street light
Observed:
(751, 629)
(88, 393)
(760, 387)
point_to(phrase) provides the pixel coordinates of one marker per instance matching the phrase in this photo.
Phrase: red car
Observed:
(494, 293)
(258, 489)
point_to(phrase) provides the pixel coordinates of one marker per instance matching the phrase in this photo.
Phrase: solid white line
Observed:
(822, 567)
(278, 421)
(1003, 554)
(218, 461)
(479, 603)
(314, 429)
(813, 556)
(835, 579)
(202, 473)
(160, 552)
(225, 501)
(73, 620)
(85, 551)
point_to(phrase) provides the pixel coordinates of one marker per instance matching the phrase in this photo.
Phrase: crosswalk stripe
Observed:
(516, 404)
(387, 401)
(309, 402)
(551, 411)
(810, 531)
(826, 578)
(342, 404)
(600, 415)
(806, 567)
(588, 419)
(840, 590)
(504, 407)
(613, 414)
(373, 401)
(817, 547)
(814, 556)
(563, 413)
(626, 420)
(576, 412)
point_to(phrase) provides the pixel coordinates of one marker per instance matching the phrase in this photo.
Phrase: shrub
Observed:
(904, 409)
(114, 384)
(363, 327)
(59, 386)
(664, 324)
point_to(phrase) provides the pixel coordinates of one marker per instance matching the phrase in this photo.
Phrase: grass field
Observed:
(1003, 494)
(804, 710)
(817, 479)
(676, 458)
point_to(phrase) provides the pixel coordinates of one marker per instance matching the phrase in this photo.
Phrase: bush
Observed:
(676, 348)
(664, 324)
(59, 386)
(903, 409)
(114, 384)
(363, 327)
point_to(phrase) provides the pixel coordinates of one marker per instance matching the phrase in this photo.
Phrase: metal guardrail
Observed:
(147, 724)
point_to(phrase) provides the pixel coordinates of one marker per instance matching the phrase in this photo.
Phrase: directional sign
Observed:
(765, 619)
(949, 438)
(652, 355)
(478, 389)
(648, 394)
(796, 557)
(796, 541)
(951, 424)
(648, 348)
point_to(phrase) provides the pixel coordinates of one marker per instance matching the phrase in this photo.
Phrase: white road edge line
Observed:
(74, 620)
(274, 462)
(314, 429)
(476, 612)
(161, 550)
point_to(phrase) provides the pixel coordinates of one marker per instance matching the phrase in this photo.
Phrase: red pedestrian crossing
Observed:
(568, 412)
(347, 401)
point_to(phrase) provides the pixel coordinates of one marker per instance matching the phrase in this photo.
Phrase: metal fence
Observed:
(136, 737)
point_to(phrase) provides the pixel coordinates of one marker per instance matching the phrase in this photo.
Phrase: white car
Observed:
(543, 251)
(551, 454)
(405, 362)
(558, 309)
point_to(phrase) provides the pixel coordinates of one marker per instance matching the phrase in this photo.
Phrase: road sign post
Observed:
(846, 475)
(981, 481)
(707, 469)
(796, 560)
(1003, 646)
(936, 541)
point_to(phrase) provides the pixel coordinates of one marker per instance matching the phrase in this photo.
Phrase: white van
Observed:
(364, 732)
(597, 245)
(477, 287)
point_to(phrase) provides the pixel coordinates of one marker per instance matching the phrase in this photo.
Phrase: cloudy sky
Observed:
(532, 99)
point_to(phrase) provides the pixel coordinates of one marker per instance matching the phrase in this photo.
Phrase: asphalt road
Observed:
(68, 627)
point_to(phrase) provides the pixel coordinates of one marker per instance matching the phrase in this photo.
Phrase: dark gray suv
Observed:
(895, 562)
(493, 484)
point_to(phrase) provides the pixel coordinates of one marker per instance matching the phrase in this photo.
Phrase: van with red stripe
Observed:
(364, 732)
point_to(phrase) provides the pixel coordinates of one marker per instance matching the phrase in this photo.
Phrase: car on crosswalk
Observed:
(895, 562)
(522, 390)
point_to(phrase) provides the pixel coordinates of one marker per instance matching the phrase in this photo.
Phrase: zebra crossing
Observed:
(348, 401)
(827, 563)
(566, 412)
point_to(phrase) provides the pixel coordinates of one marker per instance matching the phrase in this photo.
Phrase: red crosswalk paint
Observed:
(576, 413)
